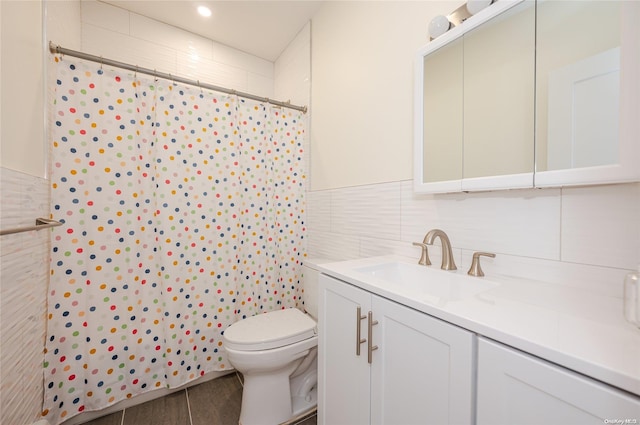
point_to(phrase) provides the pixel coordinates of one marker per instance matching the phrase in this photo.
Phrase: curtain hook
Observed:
(100, 62)
(201, 92)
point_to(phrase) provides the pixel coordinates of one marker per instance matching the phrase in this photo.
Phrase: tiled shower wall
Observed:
(99, 29)
(24, 264)
(585, 237)
(108, 31)
(128, 37)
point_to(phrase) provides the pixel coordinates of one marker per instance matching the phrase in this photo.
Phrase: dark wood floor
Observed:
(216, 402)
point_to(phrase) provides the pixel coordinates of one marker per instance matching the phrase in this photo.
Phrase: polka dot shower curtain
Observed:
(183, 213)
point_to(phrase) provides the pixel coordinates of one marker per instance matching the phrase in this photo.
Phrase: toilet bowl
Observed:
(277, 354)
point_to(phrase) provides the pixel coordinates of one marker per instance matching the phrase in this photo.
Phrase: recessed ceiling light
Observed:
(204, 11)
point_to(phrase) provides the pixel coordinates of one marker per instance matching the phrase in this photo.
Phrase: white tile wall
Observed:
(144, 28)
(99, 41)
(319, 211)
(117, 34)
(22, 296)
(210, 71)
(105, 16)
(372, 211)
(292, 82)
(600, 225)
(239, 59)
(63, 23)
(111, 32)
(293, 70)
(260, 85)
(587, 238)
(490, 221)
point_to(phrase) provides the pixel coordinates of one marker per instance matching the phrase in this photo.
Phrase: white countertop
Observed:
(584, 332)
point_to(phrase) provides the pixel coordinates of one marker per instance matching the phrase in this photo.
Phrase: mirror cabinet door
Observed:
(549, 87)
(582, 135)
(499, 63)
(442, 115)
(475, 88)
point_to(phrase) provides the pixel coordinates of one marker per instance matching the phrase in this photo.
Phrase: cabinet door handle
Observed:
(371, 347)
(359, 339)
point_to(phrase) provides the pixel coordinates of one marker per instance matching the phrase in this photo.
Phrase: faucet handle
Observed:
(475, 269)
(424, 256)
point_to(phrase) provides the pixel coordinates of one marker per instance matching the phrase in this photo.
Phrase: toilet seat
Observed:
(270, 330)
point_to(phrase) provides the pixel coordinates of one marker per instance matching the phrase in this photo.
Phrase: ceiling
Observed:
(262, 28)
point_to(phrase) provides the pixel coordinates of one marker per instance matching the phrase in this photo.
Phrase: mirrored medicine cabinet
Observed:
(530, 94)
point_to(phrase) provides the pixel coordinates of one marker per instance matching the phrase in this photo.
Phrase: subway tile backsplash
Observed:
(586, 237)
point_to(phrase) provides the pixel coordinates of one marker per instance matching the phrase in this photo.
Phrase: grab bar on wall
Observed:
(41, 223)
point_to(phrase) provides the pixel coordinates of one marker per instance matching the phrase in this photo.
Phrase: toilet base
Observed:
(301, 417)
(265, 400)
(302, 406)
(269, 399)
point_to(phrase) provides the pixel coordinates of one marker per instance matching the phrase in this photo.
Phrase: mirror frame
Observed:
(524, 180)
(628, 168)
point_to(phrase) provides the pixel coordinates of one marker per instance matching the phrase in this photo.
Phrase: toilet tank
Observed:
(310, 275)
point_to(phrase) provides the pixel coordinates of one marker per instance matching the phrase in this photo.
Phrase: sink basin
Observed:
(426, 282)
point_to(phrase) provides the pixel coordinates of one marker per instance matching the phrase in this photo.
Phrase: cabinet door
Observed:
(499, 102)
(422, 371)
(587, 88)
(441, 148)
(516, 388)
(343, 376)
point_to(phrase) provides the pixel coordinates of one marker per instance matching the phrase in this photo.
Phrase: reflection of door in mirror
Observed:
(499, 62)
(443, 114)
(577, 84)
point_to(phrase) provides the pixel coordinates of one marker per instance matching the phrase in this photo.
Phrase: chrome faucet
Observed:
(447, 256)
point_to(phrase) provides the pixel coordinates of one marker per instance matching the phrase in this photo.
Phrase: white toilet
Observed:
(277, 354)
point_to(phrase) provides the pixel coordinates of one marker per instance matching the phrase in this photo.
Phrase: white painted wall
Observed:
(22, 124)
(362, 89)
(362, 204)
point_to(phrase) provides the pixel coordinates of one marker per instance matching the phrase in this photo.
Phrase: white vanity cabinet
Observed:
(516, 388)
(420, 370)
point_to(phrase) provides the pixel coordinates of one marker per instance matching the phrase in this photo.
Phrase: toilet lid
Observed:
(270, 330)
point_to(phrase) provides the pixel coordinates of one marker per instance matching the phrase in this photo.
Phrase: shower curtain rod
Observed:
(63, 51)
